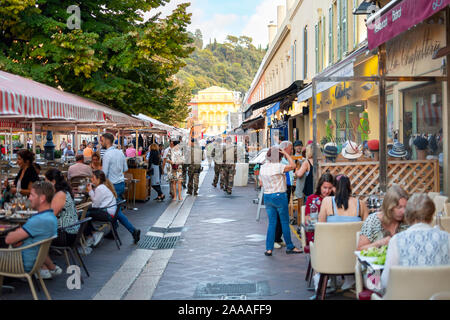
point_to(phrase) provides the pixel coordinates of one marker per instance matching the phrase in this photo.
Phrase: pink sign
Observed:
(400, 18)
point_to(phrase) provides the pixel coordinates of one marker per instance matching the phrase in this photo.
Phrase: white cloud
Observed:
(215, 25)
(256, 26)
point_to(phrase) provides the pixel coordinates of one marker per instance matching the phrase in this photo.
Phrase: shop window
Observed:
(350, 124)
(422, 116)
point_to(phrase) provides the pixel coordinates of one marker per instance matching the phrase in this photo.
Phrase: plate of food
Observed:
(375, 256)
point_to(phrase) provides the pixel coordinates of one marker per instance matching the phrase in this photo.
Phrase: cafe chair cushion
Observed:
(332, 251)
(416, 283)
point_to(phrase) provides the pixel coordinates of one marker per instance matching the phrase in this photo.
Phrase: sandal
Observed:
(292, 251)
(268, 253)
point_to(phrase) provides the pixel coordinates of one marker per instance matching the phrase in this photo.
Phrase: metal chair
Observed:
(73, 248)
(11, 264)
(110, 223)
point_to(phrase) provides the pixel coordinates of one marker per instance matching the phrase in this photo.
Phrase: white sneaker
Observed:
(89, 241)
(348, 283)
(45, 274)
(56, 272)
(276, 245)
(98, 236)
(85, 250)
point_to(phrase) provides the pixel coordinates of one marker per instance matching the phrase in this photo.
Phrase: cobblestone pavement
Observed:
(221, 254)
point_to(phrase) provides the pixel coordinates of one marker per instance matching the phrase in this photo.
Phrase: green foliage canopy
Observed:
(115, 58)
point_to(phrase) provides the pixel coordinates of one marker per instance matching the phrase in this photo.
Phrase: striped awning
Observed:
(25, 98)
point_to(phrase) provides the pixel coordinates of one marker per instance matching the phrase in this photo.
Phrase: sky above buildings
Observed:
(219, 18)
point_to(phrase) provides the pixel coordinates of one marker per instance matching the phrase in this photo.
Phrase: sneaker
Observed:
(85, 250)
(136, 235)
(89, 241)
(282, 243)
(195, 193)
(98, 236)
(276, 245)
(56, 272)
(45, 274)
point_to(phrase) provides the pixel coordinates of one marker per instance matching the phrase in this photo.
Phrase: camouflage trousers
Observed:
(193, 174)
(185, 170)
(228, 172)
(217, 173)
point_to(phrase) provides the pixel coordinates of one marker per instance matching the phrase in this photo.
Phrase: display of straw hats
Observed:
(398, 150)
(351, 150)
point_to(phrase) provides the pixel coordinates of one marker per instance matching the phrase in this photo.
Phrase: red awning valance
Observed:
(33, 100)
(382, 27)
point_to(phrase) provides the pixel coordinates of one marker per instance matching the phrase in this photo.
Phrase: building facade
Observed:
(316, 39)
(213, 110)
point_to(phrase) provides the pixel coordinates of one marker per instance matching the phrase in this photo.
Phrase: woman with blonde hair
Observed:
(420, 245)
(380, 227)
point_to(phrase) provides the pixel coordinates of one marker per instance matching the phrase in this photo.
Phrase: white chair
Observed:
(416, 283)
(332, 252)
(440, 203)
(447, 209)
(359, 280)
(432, 195)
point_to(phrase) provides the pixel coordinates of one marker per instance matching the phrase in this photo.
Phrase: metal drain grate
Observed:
(166, 230)
(157, 243)
(232, 290)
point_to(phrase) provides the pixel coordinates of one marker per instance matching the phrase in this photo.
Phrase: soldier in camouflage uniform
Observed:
(194, 160)
(217, 155)
(229, 165)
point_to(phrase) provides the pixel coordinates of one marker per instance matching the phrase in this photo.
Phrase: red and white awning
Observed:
(22, 97)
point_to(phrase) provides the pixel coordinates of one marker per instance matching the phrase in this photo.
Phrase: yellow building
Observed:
(212, 107)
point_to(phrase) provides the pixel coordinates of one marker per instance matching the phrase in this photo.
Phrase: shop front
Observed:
(394, 98)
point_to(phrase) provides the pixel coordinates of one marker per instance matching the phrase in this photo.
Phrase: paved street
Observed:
(219, 254)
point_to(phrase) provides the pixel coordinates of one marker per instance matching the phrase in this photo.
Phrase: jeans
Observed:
(157, 188)
(278, 230)
(120, 189)
(277, 204)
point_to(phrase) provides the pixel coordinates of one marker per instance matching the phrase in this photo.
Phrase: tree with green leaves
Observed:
(232, 64)
(116, 57)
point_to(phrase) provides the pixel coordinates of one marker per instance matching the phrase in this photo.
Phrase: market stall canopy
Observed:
(287, 95)
(27, 99)
(156, 124)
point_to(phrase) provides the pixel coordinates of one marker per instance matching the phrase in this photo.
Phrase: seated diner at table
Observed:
(324, 188)
(79, 169)
(378, 229)
(96, 163)
(421, 244)
(343, 207)
(27, 173)
(40, 226)
(103, 195)
(131, 151)
(64, 209)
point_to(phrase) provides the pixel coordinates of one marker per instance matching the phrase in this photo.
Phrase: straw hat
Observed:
(398, 150)
(351, 150)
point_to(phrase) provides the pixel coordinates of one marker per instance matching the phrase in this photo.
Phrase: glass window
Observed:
(344, 26)
(316, 27)
(339, 33)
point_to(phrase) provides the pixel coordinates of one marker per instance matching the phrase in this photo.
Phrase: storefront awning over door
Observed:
(256, 123)
(24, 98)
(288, 93)
(345, 68)
(387, 24)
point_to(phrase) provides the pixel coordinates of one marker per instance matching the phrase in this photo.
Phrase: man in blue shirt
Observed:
(114, 165)
(42, 225)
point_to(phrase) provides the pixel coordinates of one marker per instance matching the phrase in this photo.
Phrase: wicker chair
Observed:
(11, 264)
(73, 248)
